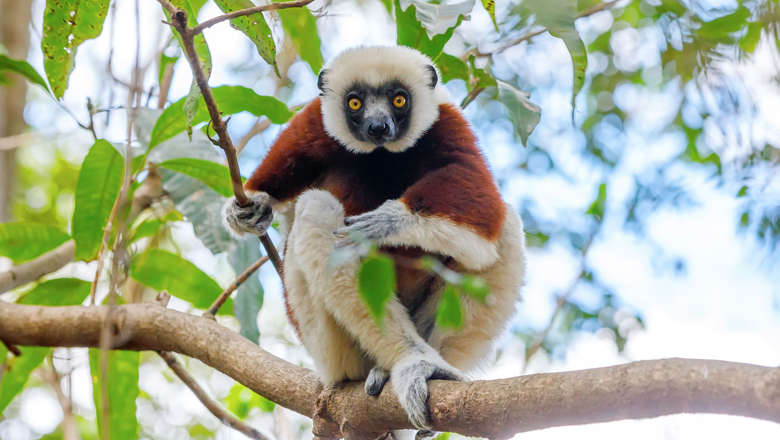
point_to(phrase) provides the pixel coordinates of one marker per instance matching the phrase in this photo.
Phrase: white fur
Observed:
(375, 66)
(439, 235)
(343, 338)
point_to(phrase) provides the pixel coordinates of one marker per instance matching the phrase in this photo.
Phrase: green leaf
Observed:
(57, 292)
(147, 228)
(452, 67)
(241, 400)
(97, 188)
(376, 283)
(598, 207)
(481, 77)
(411, 32)
(475, 286)
(249, 295)
(749, 42)
(66, 24)
(165, 60)
(22, 241)
(253, 26)
(230, 100)
(301, 26)
(122, 380)
(23, 68)
(490, 7)
(17, 371)
(216, 176)
(163, 270)
(525, 114)
(449, 314)
(558, 18)
(720, 28)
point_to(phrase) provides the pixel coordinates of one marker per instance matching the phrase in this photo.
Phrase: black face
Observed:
(378, 114)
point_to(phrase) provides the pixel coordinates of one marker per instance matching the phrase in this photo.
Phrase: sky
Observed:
(726, 304)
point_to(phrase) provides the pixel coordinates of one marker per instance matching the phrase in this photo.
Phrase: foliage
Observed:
(693, 42)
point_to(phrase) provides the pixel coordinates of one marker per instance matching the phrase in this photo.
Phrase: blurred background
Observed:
(652, 206)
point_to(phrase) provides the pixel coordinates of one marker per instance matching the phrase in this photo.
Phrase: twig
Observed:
(562, 300)
(223, 416)
(32, 270)
(69, 428)
(102, 249)
(471, 96)
(597, 8)
(12, 348)
(248, 11)
(179, 22)
(212, 310)
(260, 126)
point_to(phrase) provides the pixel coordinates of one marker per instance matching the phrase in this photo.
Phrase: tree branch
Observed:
(494, 409)
(32, 270)
(248, 11)
(212, 310)
(179, 19)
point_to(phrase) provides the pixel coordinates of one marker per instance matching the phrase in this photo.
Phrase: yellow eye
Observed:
(355, 104)
(399, 101)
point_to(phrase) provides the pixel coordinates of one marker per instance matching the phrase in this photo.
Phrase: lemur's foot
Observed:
(376, 380)
(409, 378)
(254, 218)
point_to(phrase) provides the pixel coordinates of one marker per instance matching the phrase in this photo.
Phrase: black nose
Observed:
(378, 129)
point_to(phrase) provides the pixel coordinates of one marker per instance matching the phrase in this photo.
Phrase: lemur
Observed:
(383, 154)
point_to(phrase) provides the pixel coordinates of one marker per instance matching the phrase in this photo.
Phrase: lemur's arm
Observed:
(296, 159)
(455, 210)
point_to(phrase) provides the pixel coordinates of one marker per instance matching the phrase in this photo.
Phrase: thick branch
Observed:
(494, 409)
(32, 270)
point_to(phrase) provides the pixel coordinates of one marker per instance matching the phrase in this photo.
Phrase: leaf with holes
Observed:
(490, 7)
(253, 26)
(525, 114)
(449, 313)
(301, 26)
(97, 188)
(376, 283)
(22, 242)
(121, 382)
(23, 68)
(67, 24)
(163, 270)
(215, 176)
(230, 100)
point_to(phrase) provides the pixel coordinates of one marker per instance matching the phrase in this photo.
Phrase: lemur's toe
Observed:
(376, 380)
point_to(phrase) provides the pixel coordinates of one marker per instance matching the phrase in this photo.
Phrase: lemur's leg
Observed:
(483, 323)
(396, 346)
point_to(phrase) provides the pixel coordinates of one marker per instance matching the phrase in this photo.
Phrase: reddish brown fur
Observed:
(443, 174)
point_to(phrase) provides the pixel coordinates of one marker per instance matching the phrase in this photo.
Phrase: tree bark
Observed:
(14, 35)
(495, 409)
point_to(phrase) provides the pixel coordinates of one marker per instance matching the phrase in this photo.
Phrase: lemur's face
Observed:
(378, 114)
(380, 97)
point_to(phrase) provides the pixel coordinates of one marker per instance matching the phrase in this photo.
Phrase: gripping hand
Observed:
(254, 218)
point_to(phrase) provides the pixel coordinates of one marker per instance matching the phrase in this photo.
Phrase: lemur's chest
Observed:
(362, 182)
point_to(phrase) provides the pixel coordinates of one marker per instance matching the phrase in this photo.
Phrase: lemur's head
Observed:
(380, 97)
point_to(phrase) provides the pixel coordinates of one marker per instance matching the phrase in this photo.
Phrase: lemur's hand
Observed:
(382, 222)
(254, 218)
(409, 379)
